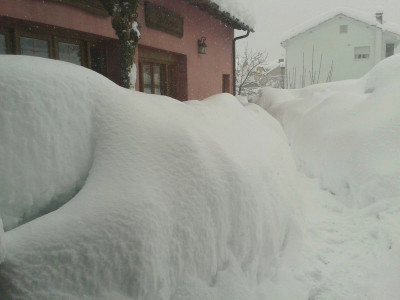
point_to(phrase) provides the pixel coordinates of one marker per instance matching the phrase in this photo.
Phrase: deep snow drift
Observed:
(174, 200)
(197, 200)
(346, 135)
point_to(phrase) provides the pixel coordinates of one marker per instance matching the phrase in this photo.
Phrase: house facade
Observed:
(168, 57)
(342, 44)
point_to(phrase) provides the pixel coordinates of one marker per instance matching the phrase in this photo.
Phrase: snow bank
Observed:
(190, 200)
(46, 137)
(346, 133)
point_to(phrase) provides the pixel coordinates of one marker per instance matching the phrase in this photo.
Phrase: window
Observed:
(83, 51)
(343, 29)
(98, 61)
(70, 52)
(158, 72)
(34, 47)
(153, 78)
(389, 50)
(172, 81)
(3, 45)
(158, 78)
(361, 53)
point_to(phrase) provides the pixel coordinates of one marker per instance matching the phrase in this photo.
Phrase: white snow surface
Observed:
(46, 137)
(133, 76)
(346, 135)
(176, 200)
(361, 16)
(135, 27)
(198, 200)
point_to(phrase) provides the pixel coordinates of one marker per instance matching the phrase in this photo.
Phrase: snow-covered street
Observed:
(107, 193)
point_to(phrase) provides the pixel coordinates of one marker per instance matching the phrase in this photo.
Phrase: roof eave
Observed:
(214, 10)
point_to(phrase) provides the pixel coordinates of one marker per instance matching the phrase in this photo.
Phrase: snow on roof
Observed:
(240, 9)
(235, 13)
(273, 64)
(392, 27)
(361, 16)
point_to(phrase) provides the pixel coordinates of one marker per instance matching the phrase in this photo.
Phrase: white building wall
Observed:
(335, 47)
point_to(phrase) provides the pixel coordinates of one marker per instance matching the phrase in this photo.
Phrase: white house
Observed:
(342, 44)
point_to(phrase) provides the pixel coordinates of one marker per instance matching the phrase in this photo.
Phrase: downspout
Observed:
(234, 58)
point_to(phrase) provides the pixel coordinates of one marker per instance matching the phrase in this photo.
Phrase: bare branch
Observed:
(246, 67)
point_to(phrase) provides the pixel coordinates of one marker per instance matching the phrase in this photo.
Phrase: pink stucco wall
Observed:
(56, 14)
(204, 72)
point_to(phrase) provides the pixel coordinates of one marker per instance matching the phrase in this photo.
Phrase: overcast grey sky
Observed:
(275, 17)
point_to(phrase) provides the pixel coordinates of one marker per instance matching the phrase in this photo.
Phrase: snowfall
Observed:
(108, 193)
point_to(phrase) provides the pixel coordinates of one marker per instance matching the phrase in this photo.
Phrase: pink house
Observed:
(169, 58)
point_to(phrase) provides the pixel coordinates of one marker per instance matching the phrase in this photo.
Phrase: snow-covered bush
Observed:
(174, 200)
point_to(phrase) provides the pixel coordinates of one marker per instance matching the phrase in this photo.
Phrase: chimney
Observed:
(379, 16)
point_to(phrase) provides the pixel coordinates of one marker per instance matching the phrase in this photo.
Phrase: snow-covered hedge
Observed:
(174, 200)
(346, 133)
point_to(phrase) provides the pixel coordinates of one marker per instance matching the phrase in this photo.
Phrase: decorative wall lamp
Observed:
(202, 47)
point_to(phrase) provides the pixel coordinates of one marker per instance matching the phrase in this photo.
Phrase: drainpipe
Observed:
(234, 58)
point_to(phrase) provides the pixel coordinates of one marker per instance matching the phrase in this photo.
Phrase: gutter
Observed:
(234, 57)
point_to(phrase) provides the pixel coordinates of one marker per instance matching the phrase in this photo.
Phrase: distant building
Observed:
(168, 58)
(342, 44)
(272, 74)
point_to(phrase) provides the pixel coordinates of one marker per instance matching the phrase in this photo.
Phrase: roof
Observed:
(233, 13)
(228, 11)
(272, 65)
(360, 16)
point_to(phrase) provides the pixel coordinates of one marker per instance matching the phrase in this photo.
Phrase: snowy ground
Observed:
(197, 200)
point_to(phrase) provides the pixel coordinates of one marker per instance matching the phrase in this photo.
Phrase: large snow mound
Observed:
(177, 200)
(46, 134)
(346, 133)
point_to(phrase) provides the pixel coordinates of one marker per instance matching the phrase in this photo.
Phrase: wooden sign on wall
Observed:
(92, 6)
(163, 19)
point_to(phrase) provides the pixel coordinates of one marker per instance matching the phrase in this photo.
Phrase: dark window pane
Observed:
(389, 50)
(343, 28)
(34, 47)
(3, 48)
(172, 81)
(98, 59)
(147, 78)
(70, 53)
